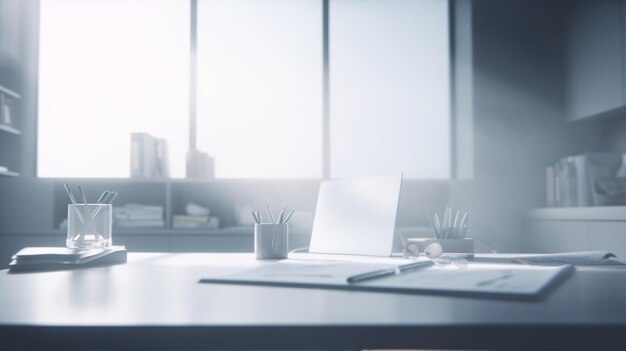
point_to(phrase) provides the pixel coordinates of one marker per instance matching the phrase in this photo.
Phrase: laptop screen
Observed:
(356, 216)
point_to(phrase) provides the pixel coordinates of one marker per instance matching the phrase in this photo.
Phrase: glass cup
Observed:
(89, 226)
(271, 240)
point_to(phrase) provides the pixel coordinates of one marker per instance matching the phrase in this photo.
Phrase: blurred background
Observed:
(196, 111)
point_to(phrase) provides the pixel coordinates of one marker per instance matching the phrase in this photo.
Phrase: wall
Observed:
(519, 127)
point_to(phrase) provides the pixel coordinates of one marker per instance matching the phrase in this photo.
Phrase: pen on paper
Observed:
(388, 271)
(507, 275)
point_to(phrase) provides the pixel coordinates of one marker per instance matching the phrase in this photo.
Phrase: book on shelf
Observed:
(575, 179)
(190, 218)
(136, 210)
(138, 216)
(193, 222)
(138, 223)
(6, 106)
(149, 156)
(550, 187)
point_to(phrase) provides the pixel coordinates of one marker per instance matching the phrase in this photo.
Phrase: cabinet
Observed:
(594, 59)
(577, 229)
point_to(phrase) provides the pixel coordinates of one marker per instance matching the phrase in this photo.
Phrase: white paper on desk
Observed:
(304, 272)
(488, 279)
(475, 279)
(585, 258)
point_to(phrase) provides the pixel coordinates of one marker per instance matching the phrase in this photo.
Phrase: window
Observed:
(109, 68)
(260, 87)
(389, 86)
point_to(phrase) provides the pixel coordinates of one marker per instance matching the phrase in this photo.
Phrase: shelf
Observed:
(601, 213)
(182, 232)
(9, 129)
(177, 232)
(175, 180)
(9, 174)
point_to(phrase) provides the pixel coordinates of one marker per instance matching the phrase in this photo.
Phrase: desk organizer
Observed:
(271, 240)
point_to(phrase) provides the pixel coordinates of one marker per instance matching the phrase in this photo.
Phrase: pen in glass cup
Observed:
(82, 195)
(106, 201)
(73, 199)
(256, 219)
(102, 197)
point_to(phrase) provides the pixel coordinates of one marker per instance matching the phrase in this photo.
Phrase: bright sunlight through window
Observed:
(108, 69)
(260, 87)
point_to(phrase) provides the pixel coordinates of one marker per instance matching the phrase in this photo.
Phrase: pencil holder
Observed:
(271, 240)
(89, 226)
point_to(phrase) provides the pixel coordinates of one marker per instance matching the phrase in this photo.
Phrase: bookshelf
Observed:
(599, 213)
(47, 198)
(220, 196)
(9, 131)
(9, 174)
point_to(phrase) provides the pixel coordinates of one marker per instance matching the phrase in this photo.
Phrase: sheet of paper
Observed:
(589, 258)
(310, 271)
(474, 279)
(585, 258)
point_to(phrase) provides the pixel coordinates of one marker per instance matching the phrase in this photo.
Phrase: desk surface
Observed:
(155, 298)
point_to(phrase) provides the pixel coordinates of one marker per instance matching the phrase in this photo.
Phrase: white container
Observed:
(271, 240)
(463, 247)
(89, 226)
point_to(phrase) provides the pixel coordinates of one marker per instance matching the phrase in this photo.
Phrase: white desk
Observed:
(155, 302)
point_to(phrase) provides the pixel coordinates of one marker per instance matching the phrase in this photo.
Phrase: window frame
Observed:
(453, 132)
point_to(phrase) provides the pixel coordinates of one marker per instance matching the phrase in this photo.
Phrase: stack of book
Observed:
(573, 180)
(149, 156)
(138, 216)
(55, 258)
(195, 222)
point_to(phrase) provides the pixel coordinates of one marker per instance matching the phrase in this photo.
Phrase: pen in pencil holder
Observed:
(271, 241)
(89, 226)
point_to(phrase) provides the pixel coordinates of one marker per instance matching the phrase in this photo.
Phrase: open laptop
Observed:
(356, 216)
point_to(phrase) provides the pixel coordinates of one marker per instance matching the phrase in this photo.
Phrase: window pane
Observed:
(108, 68)
(260, 87)
(389, 65)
